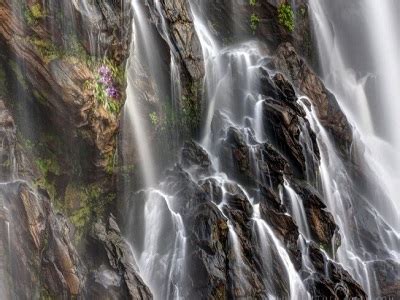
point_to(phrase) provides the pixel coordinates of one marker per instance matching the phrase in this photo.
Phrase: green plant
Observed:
(286, 16)
(254, 22)
(47, 50)
(106, 85)
(33, 14)
(253, 2)
(154, 118)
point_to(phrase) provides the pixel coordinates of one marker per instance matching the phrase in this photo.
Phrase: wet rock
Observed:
(330, 279)
(40, 241)
(7, 144)
(258, 164)
(183, 34)
(58, 81)
(283, 119)
(211, 186)
(324, 230)
(309, 84)
(194, 156)
(120, 260)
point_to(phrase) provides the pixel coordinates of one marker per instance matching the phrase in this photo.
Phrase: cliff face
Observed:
(59, 124)
(59, 133)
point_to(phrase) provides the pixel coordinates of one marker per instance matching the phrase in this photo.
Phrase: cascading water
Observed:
(156, 229)
(159, 225)
(358, 210)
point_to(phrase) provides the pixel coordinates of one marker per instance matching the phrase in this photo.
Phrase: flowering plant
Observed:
(106, 79)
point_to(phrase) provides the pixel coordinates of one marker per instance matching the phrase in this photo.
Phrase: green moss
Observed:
(254, 22)
(16, 68)
(36, 11)
(48, 165)
(3, 83)
(253, 2)
(286, 16)
(47, 50)
(111, 158)
(33, 14)
(154, 118)
(92, 204)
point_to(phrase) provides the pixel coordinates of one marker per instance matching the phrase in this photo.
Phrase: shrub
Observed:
(253, 2)
(254, 22)
(286, 16)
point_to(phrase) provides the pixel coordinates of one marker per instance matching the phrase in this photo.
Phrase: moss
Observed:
(48, 165)
(286, 16)
(16, 68)
(154, 118)
(33, 14)
(254, 22)
(42, 100)
(253, 2)
(3, 83)
(111, 158)
(92, 203)
(46, 49)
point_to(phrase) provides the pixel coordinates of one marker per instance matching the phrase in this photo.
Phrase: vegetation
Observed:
(286, 16)
(154, 118)
(253, 2)
(254, 18)
(106, 85)
(33, 14)
(47, 50)
(254, 22)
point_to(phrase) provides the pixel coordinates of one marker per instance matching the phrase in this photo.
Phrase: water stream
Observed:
(360, 65)
(157, 222)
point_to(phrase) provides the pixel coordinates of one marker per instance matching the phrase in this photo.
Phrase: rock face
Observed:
(58, 142)
(235, 212)
(308, 83)
(121, 266)
(36, 239)
(56, 69)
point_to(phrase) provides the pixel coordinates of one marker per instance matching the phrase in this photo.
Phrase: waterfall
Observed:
(371, 106)
(160, 211)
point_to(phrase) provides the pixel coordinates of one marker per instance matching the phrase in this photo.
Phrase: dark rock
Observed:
(330, 279)
(120, 259)
(195, 157)
(307, 83)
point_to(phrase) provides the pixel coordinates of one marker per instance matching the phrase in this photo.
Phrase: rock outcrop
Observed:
(37, 240)
(119, 278)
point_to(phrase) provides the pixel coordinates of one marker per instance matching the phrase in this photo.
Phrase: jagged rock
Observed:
(120, 260)
(324, 230)
(40, 242)
(7, 145)
(192, 155)
(37, 240)
(58, 83)
(211, 186)
(259, 165)
(330, 279)
(309, 84)
(185, 40)
(282, 117)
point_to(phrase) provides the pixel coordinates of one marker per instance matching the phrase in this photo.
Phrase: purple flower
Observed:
(106, 80)
(112, 92)
(104, 70)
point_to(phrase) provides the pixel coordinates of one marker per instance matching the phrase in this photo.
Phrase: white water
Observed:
(135, 118)
(297, 210)
(161, 252)
(337, 188)
(297, 289)
(377, 62)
